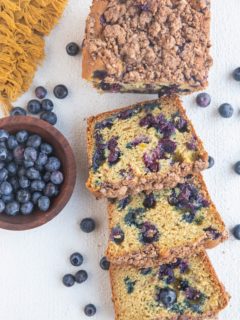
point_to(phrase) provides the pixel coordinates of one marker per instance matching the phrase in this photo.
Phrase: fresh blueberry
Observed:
(30, 154)
(35, 197)
(3, 135)
(37, 185)
(104, 263)
(90, 310)
(12, 168)
(9, 156)
(46, 177)
(46, 148)
(5, 188)
(12, 142)
(18, 153)
(72, 49)
(40, 92)
(32, 174)
(237, 167)
(76, 259)
(56, 177)
(43, 203)
(18, 111)
(12, 208)
(24, 182)
(87, 225)
(211, 162)
(14, 182)
(47, 105)
(3, 174)
(81, 276)
(28, 164)
(225, 110)
(60, 91)
(23, 196)
(203, 99)
(22, 136)
(42, 159)
(21, 172)
(49, 117)
(2, 164)
(236, 231)
(34, 106)
(236, 74)
(50, 190)
(8, 198)
(3, 153)
(34, 141)
(2, 206)
(53, 164)
(167, 297)
(68, 280)
(26, 208)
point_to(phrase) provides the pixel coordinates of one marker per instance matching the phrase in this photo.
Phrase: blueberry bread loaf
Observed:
(187, 289)
(150, 145)
(147, 228)
(147, 46)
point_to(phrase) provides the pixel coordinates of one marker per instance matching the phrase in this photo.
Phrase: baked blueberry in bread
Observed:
(161, 225)
(147, 146)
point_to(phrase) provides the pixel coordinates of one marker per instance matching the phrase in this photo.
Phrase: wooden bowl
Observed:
(63, 151)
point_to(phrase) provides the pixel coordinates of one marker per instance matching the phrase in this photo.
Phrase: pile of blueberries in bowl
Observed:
(30, 175)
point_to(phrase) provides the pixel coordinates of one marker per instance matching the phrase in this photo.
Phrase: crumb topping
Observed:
(151, 41)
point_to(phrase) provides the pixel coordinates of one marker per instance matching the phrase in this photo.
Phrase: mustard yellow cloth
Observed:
(23, 24)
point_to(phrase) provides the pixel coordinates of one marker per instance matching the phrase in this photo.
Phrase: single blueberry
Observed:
(117, 235)
(22, 136)
(87, 225)
(14, 182)
(49, 117)
(203, 99)
(237, 167)
(2, 206)
(40, 92)
(37, 185)
(5, 188)
(68, 280)
(12, 142)
(167, 297)
(30, 154)
(18, 153)
(236, 74)
(3, 135)
(33, 174)
(12, 168)
(26, 208)
(46, 148)
(211, 162)
(3, 174)
(24, 182)
(2, 164)
(46, 177)
(149, 201)
(53, 164)
(43, 203)
(104, 263)
(50, 190)
(90, 310)
(76, 259)
(18, 111)
(12, 208)
(3, 153)
(34, 141)
(34, 106)
(72, 49)
(8, 198)
(47, 105)
(56, 177)
(225, 110)
(42, 159)
(21, 172)
(23, 196)
(35, 197)
(81, 276)
(9, 156)
(60, 91)
(28, 164)
(236, 231)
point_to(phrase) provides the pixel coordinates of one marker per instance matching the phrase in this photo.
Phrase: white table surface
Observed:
(33, 262)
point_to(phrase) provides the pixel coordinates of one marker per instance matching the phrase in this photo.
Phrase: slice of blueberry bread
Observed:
(147, 228)
(187, 289)
(150, 145)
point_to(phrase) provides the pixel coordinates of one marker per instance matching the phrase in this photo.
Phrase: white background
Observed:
(32, 263)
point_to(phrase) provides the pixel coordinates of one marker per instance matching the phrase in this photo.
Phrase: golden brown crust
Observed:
(156, 181)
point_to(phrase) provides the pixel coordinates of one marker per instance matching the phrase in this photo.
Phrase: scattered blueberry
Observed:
(236, 74)
(72, 49)
(76, 259)
(237, 167)
(3, 135)
(87, 225)
(34, 106)
(2, 206)
(60, 91)
(56, 177)
(167, 297)
(34, 141)
(68, 280)
(22, 136)
(104, 263)
(12, 142)
(40, 92)
(18, 111)
(81, 276)
(90, 310)
(49, 117)
(43, 203)
(225, 110)
(203, 99)
(236, 231)
(27, 208)
(211, 162)
(12, 208)
(47, 105)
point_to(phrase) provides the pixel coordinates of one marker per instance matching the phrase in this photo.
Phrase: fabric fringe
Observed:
(23, 24)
